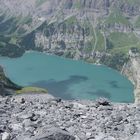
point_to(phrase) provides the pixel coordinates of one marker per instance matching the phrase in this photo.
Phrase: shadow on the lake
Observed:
(29, 69)
(101, 93)
(61, 88)
(114, 84)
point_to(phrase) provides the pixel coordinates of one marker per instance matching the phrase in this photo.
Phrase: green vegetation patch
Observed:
(100, 41)
(31, 90)
(2, 76)
(77, 4)
(89, 46)
(24, 20)
(117, 17)
(137, 23)
(132, 2)
(122, 42)
(115, 61)
(40, 2)
(70, 21)
(13, 40)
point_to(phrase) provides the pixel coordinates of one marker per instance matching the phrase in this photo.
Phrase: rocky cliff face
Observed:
(131, 70)
(92, 30)
(7, 87)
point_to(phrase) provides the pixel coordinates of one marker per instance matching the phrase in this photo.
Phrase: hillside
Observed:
(97, 31)
(42, 117)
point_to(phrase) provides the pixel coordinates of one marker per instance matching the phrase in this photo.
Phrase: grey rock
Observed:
(25, 116)
(27, 123)
(23, 137)
(79, 106)
(41, 118)
(135, 137)
(34, 117)
(103, 101)
(2, 111)
(6, 136)
(54, 134)
(16, 127)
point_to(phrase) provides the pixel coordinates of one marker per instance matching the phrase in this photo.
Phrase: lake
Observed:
(68, 79)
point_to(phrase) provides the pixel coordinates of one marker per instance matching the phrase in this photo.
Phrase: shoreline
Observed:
(83, 61)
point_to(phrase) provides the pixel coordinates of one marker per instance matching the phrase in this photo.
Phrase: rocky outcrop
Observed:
(131, 70)
(7, 87)
(42, 117)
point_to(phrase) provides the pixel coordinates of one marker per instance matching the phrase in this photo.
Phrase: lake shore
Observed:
(65, 78)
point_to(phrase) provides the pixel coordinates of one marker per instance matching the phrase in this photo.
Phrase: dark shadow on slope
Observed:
(61, 88)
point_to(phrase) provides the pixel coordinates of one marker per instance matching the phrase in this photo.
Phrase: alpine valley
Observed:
(101, 32)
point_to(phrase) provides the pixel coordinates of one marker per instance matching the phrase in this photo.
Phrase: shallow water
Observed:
(68, 79)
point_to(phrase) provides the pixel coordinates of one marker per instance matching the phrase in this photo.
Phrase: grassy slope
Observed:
(40, 2)
(137, 23)
(31, 90)
(117, 17)
(123, 42)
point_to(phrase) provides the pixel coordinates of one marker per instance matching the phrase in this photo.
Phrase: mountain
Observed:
(98, 31)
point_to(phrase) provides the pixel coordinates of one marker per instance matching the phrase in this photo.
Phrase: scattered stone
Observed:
(88, 134)
(79, 106)
(54, 134)
(27, 123)
(22, 101)
(34, 117)
(38, 117)
(58, 100)
(6, 136)
(2, 128)
(2, 111)
(103, 101)
(16, 127)
(25, 116)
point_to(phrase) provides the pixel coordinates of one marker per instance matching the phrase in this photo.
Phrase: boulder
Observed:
(6, 136)
(54, 134)
(103, 102)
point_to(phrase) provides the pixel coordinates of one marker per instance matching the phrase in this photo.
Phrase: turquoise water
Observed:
(67, 78)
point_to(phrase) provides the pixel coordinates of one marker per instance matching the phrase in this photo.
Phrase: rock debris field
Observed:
(43, 117)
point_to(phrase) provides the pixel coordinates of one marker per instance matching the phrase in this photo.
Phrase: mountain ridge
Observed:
(91, 30)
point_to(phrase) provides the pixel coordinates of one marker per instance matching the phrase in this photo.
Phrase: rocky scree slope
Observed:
(42, 117)
(98, 31)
